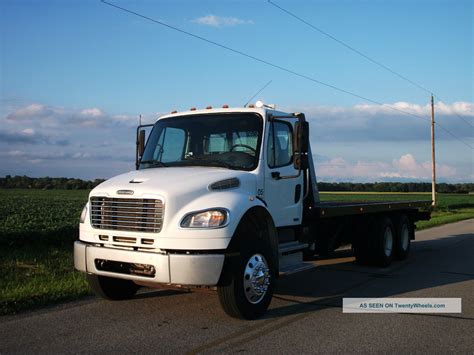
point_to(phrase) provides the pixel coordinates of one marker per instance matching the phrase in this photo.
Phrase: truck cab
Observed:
(223, 198)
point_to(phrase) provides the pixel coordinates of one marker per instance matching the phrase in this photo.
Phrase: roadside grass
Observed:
(34, 278)
(439, 218)
(38, 228)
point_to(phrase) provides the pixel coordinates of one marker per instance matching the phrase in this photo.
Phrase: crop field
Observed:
(38, 228)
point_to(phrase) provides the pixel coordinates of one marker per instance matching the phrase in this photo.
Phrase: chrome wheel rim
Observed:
(404, 237)
(256, 278)
(388, 241)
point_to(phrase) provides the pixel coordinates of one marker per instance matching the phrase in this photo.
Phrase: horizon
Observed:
(77, 75)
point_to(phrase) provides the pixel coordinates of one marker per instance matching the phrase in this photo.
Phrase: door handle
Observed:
(276, 175)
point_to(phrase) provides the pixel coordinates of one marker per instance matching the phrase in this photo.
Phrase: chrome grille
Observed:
(127, 214)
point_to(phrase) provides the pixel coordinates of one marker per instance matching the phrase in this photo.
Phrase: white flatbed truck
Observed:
(227, 198)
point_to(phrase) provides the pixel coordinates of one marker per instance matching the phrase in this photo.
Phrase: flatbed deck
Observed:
(340, 208)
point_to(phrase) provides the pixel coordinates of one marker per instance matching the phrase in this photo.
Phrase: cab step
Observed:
(291, 258)
(293, 269)
(291, 247)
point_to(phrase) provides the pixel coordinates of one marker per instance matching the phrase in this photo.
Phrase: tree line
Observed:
(46, 183)
(26, 182)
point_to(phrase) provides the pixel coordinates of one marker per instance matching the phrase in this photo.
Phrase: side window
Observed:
(170, 145)
(280, 145)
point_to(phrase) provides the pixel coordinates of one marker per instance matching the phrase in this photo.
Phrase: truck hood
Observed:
(173, 181)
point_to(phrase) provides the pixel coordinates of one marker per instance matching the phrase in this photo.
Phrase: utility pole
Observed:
(433, 160)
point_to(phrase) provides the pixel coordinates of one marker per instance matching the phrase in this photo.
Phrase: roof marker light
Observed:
(225, 106)
(251, 106)
(174, 111)
(208, 107)
(192, 109)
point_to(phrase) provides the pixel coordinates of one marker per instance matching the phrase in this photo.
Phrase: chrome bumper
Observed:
(181, 269)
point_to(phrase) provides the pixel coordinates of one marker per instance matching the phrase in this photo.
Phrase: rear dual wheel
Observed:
(375, 243)
(405, 233)
(381, 241)
(383, 236)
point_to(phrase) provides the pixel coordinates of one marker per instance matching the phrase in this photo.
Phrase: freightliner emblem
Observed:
(124, 192)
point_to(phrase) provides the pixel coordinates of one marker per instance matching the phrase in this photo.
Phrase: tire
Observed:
(403, 238)
(112, 288)
(382, 237)
(246, 287)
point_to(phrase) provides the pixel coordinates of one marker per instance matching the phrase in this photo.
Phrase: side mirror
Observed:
(141, 142)
(140, 146)
(300, 162)
(301, 137)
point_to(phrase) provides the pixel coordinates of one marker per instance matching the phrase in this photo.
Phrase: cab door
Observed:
(283, 188)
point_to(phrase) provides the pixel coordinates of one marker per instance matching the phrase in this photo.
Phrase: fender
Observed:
(237, 202)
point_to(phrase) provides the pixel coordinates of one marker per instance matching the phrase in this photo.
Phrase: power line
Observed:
(459, 116)
(284, 69)
(258, 92)
(376, 62)
(349, 47)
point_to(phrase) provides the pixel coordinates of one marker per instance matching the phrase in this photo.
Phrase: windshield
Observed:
(224, 140)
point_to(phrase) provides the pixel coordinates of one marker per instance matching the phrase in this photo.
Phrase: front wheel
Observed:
(249, 289)
(112, 288)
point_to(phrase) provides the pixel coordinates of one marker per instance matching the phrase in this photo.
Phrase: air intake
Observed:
(226, 184)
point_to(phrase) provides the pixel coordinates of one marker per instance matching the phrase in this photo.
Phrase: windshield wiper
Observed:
(206, 162)
(154, 163)
(220, 163)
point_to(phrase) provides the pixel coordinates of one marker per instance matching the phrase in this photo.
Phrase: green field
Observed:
(37, 231)
(38, 228)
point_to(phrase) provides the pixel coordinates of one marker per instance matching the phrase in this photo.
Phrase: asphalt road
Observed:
(305, 315)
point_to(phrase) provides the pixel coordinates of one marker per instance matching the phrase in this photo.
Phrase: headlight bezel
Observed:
(187, 219)
(82, 218)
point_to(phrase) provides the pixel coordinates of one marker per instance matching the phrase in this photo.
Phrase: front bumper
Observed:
(181, 269)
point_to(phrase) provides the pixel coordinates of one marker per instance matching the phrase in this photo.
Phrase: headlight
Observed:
(83, 214)
(205, 219)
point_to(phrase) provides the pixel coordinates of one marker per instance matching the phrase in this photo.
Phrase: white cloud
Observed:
(92, 112)
(405, 167)
(53, 117)
(28, 131)
(381, 123)
(219, 21)
(29, 110)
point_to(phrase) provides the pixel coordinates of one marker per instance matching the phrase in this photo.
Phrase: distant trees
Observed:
(25, 182)
(46, 183)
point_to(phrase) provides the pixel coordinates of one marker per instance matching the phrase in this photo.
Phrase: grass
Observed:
(37, 231)
(38, 228)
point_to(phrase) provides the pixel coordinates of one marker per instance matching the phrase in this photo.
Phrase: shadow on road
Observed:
(431, 264)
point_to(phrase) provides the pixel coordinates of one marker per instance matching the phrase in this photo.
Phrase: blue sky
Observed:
(75, 75)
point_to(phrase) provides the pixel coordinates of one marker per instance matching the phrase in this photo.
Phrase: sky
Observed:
(75, 76)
